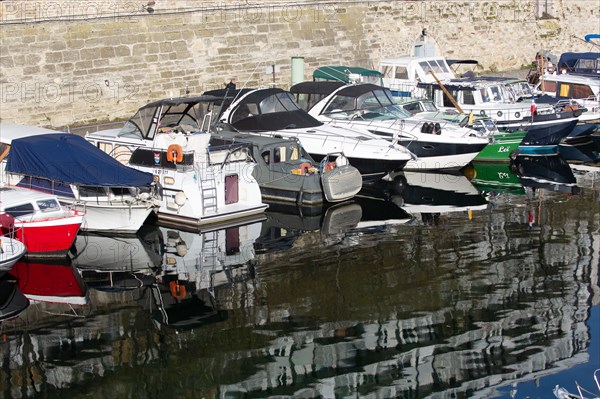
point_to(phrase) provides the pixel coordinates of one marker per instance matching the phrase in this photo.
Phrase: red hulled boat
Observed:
(38, 220)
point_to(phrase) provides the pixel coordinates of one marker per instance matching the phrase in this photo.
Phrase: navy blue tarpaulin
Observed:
(69, 158)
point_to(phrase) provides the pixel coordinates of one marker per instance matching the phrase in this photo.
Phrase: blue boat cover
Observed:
(569, 62)
(69, 158)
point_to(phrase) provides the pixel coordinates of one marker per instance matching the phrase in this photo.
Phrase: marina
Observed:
(431, 285)
(303, 200)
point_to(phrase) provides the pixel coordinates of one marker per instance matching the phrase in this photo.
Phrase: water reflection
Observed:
(368, 298)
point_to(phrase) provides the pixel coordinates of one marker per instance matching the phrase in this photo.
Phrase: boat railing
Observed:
(222, 154)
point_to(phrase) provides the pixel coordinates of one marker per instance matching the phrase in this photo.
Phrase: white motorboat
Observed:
(572, 90)
(372, 108)
(200, 184)
(11, 250)
(273, 112)
(112, 196)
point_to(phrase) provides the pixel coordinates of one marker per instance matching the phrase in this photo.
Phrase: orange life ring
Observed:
(177, 290)
(304, 167)
(174, 153)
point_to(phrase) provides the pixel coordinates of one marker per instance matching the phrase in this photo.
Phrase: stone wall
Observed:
(82, 62)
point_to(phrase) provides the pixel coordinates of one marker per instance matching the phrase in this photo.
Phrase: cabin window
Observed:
(401, 73)
(231, 189)
(266, 156)
(496, 96)
(425, 67)
(413, 108)
(105, 147)
(582, 91)
(92, 191)
(295, 154)
(277, 155)
(20, 210)
(468, 97)
(280, 155)
(47, 205)
(447, 101)
(549, 87)
(485, 98)
(563, 89)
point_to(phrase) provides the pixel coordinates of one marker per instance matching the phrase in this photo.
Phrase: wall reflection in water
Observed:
(426, 285)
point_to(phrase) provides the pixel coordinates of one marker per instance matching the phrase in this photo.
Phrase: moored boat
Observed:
(38, 220)
(371, 109)
(273, 112)
(200, 184)
(113, 197)
(11, 250)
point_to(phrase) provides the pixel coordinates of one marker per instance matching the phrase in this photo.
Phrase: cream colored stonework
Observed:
(82, 62)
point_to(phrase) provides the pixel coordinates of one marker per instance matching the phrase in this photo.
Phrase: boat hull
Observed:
(53, 237)
(11, 251)
(500, 148)
(370, 169)
(548, 134)
(120, 219)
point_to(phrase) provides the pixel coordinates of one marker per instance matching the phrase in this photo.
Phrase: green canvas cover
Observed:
(340, 73)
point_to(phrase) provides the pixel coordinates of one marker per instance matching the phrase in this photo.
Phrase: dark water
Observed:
(429, 286)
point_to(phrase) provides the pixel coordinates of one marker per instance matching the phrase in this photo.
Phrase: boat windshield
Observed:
(484, 126)
(278, 102)
(375, 105)
(520, 90)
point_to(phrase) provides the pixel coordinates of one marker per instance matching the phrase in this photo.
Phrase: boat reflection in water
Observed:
(12, 300)
(551, 173)
(194, 266)
(318, 306)
(53, 281)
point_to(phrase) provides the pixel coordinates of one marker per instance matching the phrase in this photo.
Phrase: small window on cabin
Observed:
(105, 147)
(283, 155)
(295, 154)
(549, 87)
(468, 97)
(20, 210)
(401, 73)
(277, 155)
(47, 205)
(447, 102)
(582, 91)
(387, 71)
(266, 156)
(425, 66)
(564, 89)
(413, 108)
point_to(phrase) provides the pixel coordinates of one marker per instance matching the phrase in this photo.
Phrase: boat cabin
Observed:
(29, 205)
(402, 74)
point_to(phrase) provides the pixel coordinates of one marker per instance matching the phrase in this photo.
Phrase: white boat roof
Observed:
(407, 59)
(11, 131)
(11, 195)
(567, 78)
